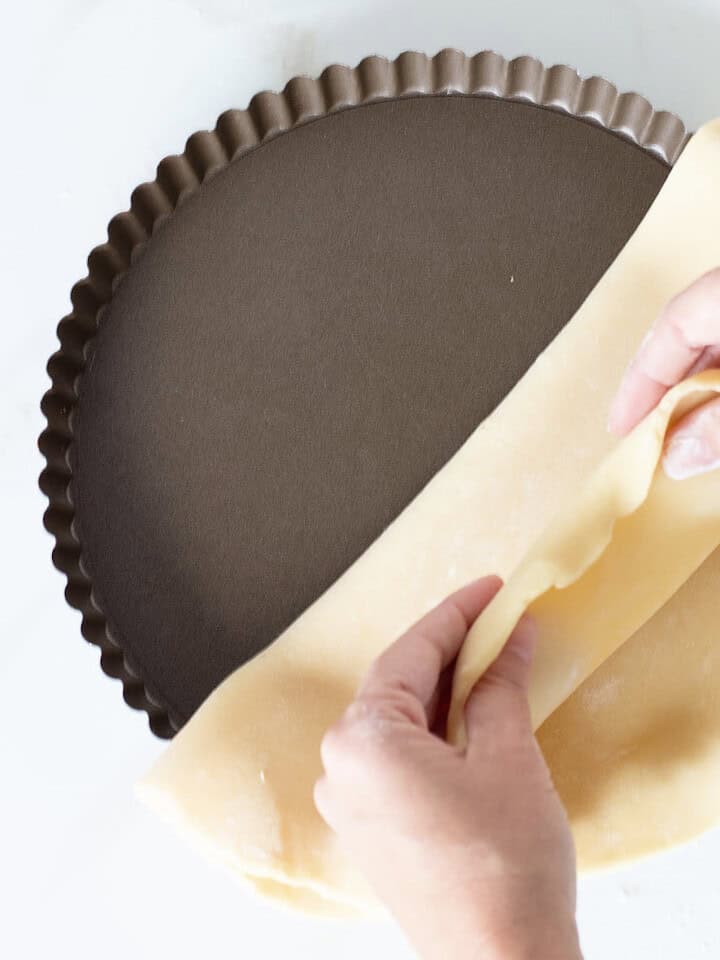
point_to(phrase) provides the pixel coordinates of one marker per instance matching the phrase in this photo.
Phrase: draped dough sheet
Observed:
(634, 751)
(604, 566)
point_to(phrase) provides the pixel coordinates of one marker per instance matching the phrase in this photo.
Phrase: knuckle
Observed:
(502, 701)
(403, 702)
(494, 680)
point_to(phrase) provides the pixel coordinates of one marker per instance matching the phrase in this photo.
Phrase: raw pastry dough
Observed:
(628, 542)
(239, 776)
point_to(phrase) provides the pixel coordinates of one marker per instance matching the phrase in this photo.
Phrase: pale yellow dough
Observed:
(606, 564)
(634, 751)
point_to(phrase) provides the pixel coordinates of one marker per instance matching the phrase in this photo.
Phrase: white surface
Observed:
(87, 85)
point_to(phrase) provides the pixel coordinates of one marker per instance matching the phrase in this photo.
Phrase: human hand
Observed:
(469, 849)
(684, 340)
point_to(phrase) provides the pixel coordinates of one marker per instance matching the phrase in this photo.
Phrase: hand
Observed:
(684, 340)
(469, 849)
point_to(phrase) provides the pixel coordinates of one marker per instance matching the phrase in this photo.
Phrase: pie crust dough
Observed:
(623, 582)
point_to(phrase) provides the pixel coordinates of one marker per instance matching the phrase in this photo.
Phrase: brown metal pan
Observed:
(298, 323)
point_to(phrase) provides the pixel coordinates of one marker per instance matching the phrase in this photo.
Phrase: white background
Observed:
(92, 94)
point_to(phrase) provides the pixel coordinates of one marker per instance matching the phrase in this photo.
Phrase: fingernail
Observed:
(688, 456)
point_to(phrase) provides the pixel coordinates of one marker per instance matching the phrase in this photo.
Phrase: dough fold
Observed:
(619, 574)
(604, 566)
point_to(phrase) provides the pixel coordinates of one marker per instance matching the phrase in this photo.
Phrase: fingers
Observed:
(402, 684)
(411, 667)
(693, 447)
(674, 347)
(501, 693)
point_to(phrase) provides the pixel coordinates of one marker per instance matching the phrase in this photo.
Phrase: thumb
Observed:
(502, 691)
(694, 444)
